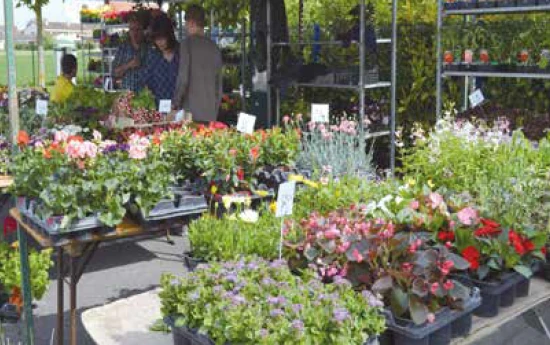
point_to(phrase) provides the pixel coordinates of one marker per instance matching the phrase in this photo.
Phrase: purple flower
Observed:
(272, 300)
(338, 280)
(340, 314)
(372, 300)
(232, 278)
(252, 266)
(268, 281)
(194, 296)
(238, 300)
(278, 264)
(217, 289)
(276, 312)
(298, 325)
(297, 308)
(264, 332)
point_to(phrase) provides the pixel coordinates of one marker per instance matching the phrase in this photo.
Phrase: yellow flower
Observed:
(297, 178)
(247, 202)
(227, 201)
(411, 182)
(213, 189)
(431, 184)
(261, 193)
(310, 183)
(273, 207)
(15, 245)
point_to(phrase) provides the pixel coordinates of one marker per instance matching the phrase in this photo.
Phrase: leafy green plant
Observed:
(253, 301)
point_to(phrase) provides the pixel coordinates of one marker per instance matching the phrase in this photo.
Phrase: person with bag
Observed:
(199, 85)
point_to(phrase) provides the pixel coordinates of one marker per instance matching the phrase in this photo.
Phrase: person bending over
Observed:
(64, 84)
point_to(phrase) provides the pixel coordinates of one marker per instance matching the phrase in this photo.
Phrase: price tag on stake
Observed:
(476, 98)
(107, 83)
(165, 106)
(41, 107)
(320, 113)
(246, 123)
(285, 199)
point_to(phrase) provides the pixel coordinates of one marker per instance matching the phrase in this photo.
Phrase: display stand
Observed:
(467, 75)
(361, 88)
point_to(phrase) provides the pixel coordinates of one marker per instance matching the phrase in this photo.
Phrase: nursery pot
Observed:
(486, 3)
(523, 3)
(508, 296)
(484, 56)
(507, 3)
(522, 287)
(462, 326)
(448, 57)
(468, 4)
(468, 56)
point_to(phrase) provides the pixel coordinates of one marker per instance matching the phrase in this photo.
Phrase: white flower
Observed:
(249, 216)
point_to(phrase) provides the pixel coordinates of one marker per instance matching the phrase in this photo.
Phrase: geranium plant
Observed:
(253, 301)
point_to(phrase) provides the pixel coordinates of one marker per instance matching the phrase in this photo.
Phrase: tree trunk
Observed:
(40, 45)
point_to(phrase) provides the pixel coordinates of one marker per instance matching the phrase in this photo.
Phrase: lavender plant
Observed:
(336, 150)
(253, 301)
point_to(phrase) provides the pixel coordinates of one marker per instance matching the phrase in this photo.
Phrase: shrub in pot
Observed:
(252, 301)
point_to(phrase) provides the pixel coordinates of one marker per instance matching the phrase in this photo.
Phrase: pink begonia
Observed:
(332, 271)
(414, 205)
(90, 149)
(138, 147)
(74, 150)
(436, 200)
(332, 233)
(343, 247)
(311, 125)
(430, 317)
(468, 216)
(334, 128)
(61, 136)
(322, 128)
(358, 257)
(434, 288)
(286, 119)
(97, 135)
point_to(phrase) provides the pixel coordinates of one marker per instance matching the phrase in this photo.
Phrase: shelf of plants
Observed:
(475, 58)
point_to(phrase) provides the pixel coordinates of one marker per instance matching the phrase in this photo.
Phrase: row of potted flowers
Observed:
(470, 60)
(470, 4)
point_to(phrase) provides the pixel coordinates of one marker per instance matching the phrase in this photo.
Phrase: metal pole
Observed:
(33, 67)
(269, 71)
(243, 65)
(362, 64)
(12, 88)
(393, 85)
(438, 81)
(60, 329)
(25, 280)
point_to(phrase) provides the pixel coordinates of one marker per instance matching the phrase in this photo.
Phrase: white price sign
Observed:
(285, 199)
(246, 123)
(108, 84)
(320, 113)
(179, 116)
(165, 106)
(41, 107)
(476, 98)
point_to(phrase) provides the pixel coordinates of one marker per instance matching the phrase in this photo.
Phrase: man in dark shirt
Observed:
(199, 84)
(131, 56)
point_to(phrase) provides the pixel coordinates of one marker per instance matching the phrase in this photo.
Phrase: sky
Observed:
(55, 11)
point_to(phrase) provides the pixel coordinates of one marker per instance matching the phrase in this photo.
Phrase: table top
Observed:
(126, 229)
(5, 181)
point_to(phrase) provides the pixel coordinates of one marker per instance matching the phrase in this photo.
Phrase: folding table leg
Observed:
(60, 296)
(26, 287)
(74, 282)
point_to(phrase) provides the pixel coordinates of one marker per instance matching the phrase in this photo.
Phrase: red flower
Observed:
(519, 248)
(543, 250)
(23, 138)
(471, 254)
(513, 236)
(77, 138)
(487, 231)
(240, 174)
(445, 236)
(489, 223)
(529, 246)
(255, 153)
(217, 125)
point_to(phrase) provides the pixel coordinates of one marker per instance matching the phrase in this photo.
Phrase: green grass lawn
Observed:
(24, 65)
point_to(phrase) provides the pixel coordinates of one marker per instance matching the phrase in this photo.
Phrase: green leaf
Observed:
(459, 291)
(459, 262)
(399, 301)
(383, 284)
(419, 311)
(311, 253)
(524, 271)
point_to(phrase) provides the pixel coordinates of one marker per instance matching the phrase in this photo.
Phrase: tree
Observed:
(36, 7)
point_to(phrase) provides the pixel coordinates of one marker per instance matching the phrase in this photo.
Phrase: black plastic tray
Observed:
(448, 323)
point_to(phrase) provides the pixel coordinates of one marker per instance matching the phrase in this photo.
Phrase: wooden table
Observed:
(79, 253)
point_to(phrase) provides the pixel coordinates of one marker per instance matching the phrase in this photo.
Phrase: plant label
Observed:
(165, 106)
(41, 107)
(246, 123)
(476, 98)
(285, 199)
(107, 84)
(320, 113)
(179, 116)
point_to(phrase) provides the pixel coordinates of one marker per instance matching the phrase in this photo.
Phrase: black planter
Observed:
(507, 3)
(191, 262)
(522, 287)
(486, 68)
(462, 326)
(469, 4)
(524, 3)
(486, 3)
(544, 2)
(508, 296)
(452, 67)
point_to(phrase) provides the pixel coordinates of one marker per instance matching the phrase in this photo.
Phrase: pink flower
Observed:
(327, 135)
(286, 119)
(430, 317)
(74, 150)
(357, 255)
(321, 127)
(436, 199)
(334, 128)
(233, 152)
(448, 244)
(332, 271)
(311, 125)
(448, 285)
(414, 205)
(343, 247)
(452, 224)
(137, 152)
(61, 136)
(89, 149)
(468, 216)
(332, 233)
(434, 287)
(407, 267)
(324, 180)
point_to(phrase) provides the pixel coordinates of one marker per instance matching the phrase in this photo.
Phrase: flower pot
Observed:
(523, 3)
(506, 3)
(469, 4)
(462, 326)
(544, 2)
(508, 296)
(522, 287)
(486, 3)
(191, 262)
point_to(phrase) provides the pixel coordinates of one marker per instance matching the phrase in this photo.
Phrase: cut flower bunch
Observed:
(252, 301)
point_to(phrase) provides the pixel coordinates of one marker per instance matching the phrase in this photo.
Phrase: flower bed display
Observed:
(256, 302)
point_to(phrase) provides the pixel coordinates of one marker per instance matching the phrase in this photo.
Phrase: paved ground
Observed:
(117, 271)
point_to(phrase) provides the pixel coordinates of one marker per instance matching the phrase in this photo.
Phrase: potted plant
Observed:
(247, 305)
(507, 3)
(486, 3)
(526, 3)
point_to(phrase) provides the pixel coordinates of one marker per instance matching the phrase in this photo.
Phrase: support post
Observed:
(12, 87)
(269, 67)
(438, 81)
(60, 297)
(26, 286)
(243, 65)
(393, 119)
(362, 64)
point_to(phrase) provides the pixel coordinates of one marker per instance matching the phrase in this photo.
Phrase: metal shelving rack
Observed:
(361, 88)
(441, 13)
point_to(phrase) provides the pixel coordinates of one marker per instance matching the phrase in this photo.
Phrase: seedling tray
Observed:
(448, 323)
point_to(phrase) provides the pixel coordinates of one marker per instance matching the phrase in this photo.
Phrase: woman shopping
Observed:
(163, 62)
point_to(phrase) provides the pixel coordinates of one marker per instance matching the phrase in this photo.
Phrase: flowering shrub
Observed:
(229, 238)
(335, 150)
(505, 173)
(256, 302)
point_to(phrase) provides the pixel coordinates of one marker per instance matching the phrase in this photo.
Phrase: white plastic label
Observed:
(179, 116)
(165, 106)
(320, 113)
(285, 199)
(41, 107)
(107, 84)
(476, 98)
(246, 123)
